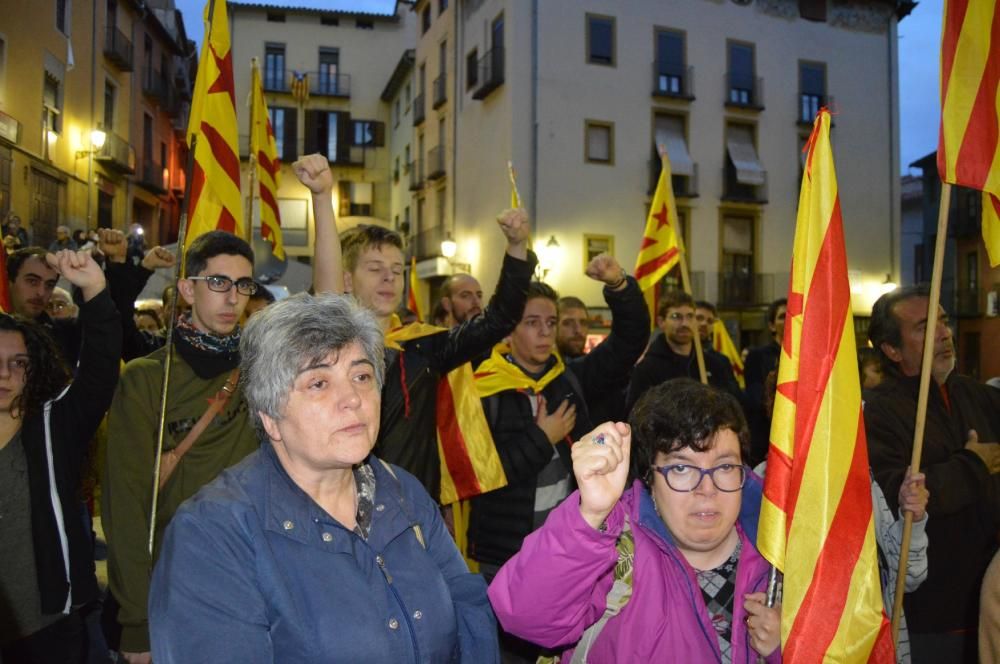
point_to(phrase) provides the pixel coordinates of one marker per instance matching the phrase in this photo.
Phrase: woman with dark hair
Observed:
(665, 570)
(46, 556)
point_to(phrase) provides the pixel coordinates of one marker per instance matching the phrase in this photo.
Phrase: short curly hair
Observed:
(46, 374)
(682, 413)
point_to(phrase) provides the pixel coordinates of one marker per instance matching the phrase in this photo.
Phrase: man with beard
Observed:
(462, 297)
(31, 281)
(961, 459)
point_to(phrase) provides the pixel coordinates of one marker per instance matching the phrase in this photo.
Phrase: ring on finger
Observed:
(599, 439)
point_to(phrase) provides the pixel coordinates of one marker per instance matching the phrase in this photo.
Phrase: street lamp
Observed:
(448, 247)
(97, 138)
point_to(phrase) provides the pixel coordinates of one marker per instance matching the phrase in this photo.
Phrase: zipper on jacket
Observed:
(381, 565)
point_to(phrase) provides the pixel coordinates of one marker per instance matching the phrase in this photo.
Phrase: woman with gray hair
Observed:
(312, 549)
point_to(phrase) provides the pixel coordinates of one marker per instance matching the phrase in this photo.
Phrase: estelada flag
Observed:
(215, 188)
(412, 300)
(265, 150)
(816, 522)
(723, 343)
(969, 143)
(661, 240)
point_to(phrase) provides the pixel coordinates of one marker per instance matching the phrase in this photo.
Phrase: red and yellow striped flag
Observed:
(816, 522)
(969, 143)
(265, 149)
(661, 241)
(723, 343)
(412, 300)
(215, 189)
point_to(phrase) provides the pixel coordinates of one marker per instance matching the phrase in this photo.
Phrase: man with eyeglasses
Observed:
(672, 355)
(206, 426)
(536, 404)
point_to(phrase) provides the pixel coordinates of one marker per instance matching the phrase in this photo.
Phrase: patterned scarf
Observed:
(204, 341)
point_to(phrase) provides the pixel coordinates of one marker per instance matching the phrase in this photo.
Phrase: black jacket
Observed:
(964, 504)
(501, 519)
(125, 283)
(408, 435)
(73, 419)
(761, 361)
(662, 363)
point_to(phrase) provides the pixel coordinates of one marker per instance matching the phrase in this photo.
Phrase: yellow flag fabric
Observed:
(816, 522)
(215, 185)
(412, 299)
(723, 343)
(496, 374)
(661, 246)
(969, 147)
(265, 150)
(515, 198)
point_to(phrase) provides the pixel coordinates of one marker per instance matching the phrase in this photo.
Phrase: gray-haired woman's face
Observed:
(331, 418)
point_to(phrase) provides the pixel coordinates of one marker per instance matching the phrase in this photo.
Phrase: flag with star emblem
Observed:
(215, 188)
(265, 150)
(968, 147)
(723, 343)
(660, 250)
(816, 522)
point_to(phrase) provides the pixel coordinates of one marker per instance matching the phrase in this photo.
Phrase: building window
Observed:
(52, 103)
(745, 177)
(742, 84)
(329, 133)
(284, 124)
(329, 20)
(277, 118)
(600, 40)
(669, 133)
(396, 113)
(395, 178)
(472, 69)
(108, 123)
(812, 90)
(62, 16)
(736, 280)
(671, 74)
(331, 144)
(274, 67)
(442, 202)
(599, 142)
(442, 6)
(275, 17)
(425, 19)
(327, 81)
(406, 162)
(362, 195)
(407, 96)
(368, 133)
(364, 24)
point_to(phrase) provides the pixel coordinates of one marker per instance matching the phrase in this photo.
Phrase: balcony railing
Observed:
(154, 85)
(116, 153)
(491, 72)
(427, 243)
(10, 128)
(685, 186)
(738, 192)
(276, 80)
(736, 289)
(327, 84)
(416, 175)
(153, 176)
(742, 91)
(419, 112)
(809, 105)
(118, 48)
(435, 163)
(440, 90)
(677, 84)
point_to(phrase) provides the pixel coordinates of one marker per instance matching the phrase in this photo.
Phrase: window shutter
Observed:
(311, 142)
(379, 134)
(291, 138)
(344, 138)
(344, 195)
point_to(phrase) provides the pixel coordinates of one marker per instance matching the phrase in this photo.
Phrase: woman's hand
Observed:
(601, 463)
(763, 623)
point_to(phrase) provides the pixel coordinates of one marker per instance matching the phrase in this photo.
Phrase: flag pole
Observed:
(925, 381)
(252, 158)
(686, 285)
(513, 183)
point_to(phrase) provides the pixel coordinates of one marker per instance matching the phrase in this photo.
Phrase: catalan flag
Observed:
(723, 343)
(969, 143)
(816, 522)
(215, 189)
(660, 250)
(412, 300)
(300, 86)
(265, 150)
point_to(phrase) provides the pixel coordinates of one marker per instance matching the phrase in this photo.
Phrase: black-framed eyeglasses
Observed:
(683, 477)
(222, 284)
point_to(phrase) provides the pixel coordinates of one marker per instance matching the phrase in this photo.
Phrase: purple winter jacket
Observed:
(557, 586)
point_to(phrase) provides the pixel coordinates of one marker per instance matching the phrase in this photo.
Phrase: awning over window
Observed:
(670, 134)
(739, 144)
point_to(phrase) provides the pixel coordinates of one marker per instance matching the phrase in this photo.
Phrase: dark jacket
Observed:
(253, 570)
(662, 363)
(761, 361)
(73, 417)
(125, 282)
(407, 434)
(501, 519)
(67, 335)
(964, 498)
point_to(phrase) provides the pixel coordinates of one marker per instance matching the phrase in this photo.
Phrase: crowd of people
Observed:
(298, 468)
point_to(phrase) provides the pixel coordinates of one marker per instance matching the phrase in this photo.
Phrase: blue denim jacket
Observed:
(253, 570)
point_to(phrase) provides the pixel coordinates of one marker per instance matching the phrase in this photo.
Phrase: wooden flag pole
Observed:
(251, 160)
(925, 382)
(513, 182)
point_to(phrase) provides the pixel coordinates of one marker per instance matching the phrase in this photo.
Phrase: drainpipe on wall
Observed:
(533, 197)
(91, 173)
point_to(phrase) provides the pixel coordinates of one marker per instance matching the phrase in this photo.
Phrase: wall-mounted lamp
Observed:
(448, 247)
(97, 138)
(549, 255)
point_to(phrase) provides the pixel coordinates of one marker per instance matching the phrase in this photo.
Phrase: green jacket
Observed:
(127, 493)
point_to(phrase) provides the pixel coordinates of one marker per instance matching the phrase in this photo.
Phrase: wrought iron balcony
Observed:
(118, 48)
(435, 163)
(116, 154)
(419, 112)
(491, 72)
(440, 90)
(676, 84)
(742, 91)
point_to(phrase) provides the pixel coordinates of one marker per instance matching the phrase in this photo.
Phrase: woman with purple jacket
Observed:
(666, 570)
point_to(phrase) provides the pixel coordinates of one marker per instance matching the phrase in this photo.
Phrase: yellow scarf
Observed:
(497, 374)
(398, 333)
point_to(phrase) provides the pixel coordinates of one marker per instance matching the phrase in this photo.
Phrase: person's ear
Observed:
(446, 304)
(270, 426)
(891, 352)
(348, 282)
(186, 288)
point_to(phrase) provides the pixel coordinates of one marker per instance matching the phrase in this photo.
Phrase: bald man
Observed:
(462, 297)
